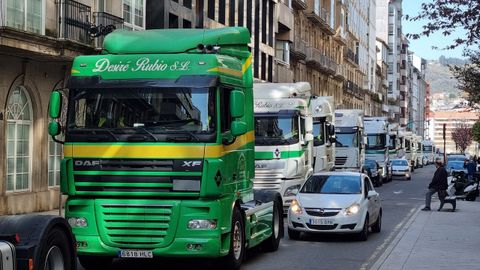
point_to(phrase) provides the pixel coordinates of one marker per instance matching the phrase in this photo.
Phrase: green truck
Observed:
(159, 149)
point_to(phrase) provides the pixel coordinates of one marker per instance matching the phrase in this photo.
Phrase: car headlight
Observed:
(202, 224)
(79, 222)
(295, 207)
(291, 191)
(352, 210)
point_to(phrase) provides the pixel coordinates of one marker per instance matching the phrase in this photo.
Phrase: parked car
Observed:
(336, 202)
(456, 157)
(374, 171)
(455, 166)
(401, 169)
(425, 160)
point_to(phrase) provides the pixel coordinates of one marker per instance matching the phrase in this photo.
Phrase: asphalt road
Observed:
(399, 201)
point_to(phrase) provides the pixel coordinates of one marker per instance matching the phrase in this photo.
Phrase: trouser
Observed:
(428, 196)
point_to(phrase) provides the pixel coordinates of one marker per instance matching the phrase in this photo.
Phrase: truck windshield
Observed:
(376, 142)
(427, 148)
(407, 144)
(276, 129)
(318, 133)
(141, 114)
(346, 140)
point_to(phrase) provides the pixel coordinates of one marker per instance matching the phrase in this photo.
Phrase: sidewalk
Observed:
(436, 240)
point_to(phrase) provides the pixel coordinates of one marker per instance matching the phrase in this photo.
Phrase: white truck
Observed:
(429, 150)
(419, 150)
(283, 137)
(410, 149)
(350, 140)
(376, 130)
(323, 114)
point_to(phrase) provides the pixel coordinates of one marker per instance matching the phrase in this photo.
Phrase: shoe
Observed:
(439, 209)
(426, 209)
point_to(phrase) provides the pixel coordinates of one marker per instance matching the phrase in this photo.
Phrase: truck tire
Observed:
(55, 252)
(271, 244)
(95, 262)
(235, 256)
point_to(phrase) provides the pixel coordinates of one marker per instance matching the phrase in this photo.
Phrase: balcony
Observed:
(331, 66)
(350, 56)
(315, 58)
(298, 50)
(299, 4)
(319, 16)
(341, 73)
(285, 16)
(76, 21)
(385, 108)
(106, 22)
(341, 36)
(283, 73)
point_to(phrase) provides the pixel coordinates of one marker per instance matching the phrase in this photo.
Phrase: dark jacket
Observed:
(439, 180)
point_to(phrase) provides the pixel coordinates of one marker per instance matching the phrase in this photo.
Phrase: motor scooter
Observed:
(462, 188)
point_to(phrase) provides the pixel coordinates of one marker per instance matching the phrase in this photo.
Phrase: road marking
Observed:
(398, 192)
(387, 246)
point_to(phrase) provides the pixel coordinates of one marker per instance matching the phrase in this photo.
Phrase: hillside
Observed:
(440, 78)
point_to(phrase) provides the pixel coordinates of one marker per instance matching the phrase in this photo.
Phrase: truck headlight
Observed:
(295, 207)
(202, 224)
(78, 222)
(291, 191)
(352, 210)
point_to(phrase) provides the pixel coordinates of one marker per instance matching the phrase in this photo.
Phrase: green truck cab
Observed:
(159, 149)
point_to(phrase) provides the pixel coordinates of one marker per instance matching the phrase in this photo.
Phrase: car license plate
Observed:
(135, 254)
(321, 222)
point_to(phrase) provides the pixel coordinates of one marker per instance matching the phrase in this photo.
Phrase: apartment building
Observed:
(452, 119)
(316, 52)
(259, 16)
(38, 42)
(382, 78)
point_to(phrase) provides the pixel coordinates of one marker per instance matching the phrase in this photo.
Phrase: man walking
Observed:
(439, 182)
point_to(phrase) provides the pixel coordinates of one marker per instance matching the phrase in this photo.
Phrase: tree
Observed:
(468, 77)
(462, 136)
(447, 16)
(476, 131)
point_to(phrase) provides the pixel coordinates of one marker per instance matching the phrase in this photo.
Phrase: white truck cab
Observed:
(283, 137)
(376, 130)
(410, 148)
(323, 114)
(350, 140)
(429, 150)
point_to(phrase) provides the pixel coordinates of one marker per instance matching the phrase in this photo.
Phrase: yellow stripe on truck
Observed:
(154, 151)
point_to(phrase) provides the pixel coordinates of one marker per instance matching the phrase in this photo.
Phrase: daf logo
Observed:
(87, 163)
(260, 165)
(191, 163)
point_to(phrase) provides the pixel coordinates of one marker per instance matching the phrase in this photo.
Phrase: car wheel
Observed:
(294, 235)
(377, 226)
(380, 181)
(363, 235)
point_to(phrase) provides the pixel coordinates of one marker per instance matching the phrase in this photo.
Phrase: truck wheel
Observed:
(95, 262)
(56, 252)
(271, 244)
(235, 256)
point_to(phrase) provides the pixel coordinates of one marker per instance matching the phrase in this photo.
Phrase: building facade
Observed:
(452, 119)
(39, 40)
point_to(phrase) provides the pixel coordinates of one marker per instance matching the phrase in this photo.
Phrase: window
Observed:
(226, 119)
(282, 51)
(19, 131)
(54, 157)
(26, 15)
(133, 14)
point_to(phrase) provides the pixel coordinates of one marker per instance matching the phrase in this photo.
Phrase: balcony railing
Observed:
(299, 4)
(319, 15)
(75, 21)
(299, 48)
(104, 21)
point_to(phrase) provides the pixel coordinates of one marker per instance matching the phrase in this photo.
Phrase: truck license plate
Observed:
(321, 221)
(135, 254)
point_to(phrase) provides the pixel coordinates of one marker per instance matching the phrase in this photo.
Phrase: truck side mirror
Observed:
(331, 130)
(53, 128)
(308, 137)
(308, 125)
(237, 104)
(238, 128)
(55, 104)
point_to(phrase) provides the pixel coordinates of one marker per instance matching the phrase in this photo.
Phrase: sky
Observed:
(423, 46)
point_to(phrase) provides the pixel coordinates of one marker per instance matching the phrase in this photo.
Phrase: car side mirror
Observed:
(372, 193)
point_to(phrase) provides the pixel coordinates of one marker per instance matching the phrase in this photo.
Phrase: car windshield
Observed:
(370, 163)
(376, 142)
(456, 165)
(333, 184)
(399, 163)
(141, 114)
(456, 157)
(346, 140)
(274, 129)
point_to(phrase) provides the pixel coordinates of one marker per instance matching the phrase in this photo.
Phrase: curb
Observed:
(381, 260)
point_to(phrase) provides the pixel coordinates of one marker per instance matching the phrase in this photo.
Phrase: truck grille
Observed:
(340, 161)
(135, 226)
